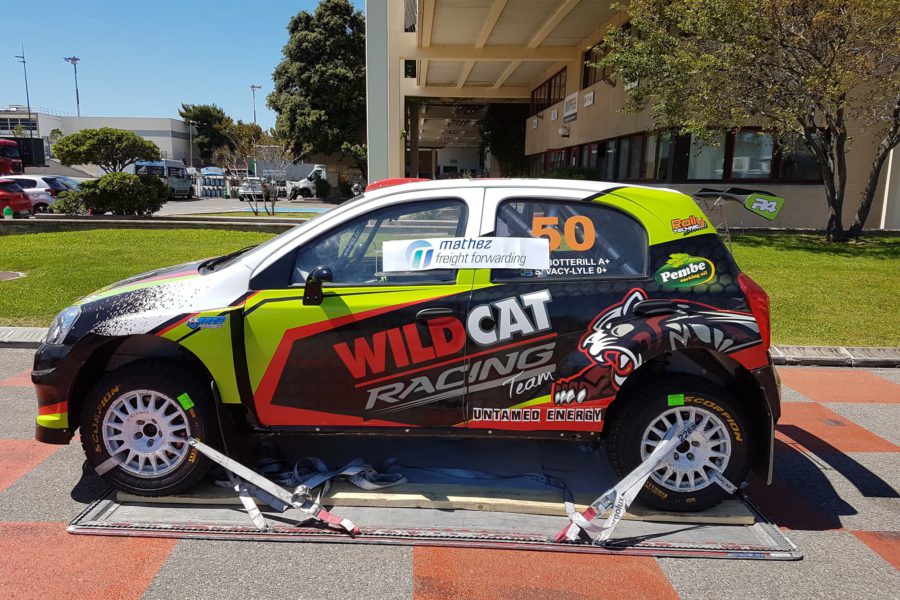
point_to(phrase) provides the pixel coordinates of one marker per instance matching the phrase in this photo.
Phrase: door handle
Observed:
(427, 314)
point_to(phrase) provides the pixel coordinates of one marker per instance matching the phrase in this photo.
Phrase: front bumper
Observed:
(56, 368)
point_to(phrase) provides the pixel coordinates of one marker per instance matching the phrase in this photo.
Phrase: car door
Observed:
(382, 349)
(545, 319)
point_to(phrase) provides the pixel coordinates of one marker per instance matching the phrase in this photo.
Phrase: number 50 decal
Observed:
(546, 226)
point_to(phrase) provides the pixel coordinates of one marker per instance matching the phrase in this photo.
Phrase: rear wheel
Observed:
(135, 424)
(686, 479)
(40, 208)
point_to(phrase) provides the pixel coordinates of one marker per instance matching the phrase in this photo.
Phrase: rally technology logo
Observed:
(689, 225)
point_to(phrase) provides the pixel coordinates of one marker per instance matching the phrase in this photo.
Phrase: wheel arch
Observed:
(722, 370)
(121, 351)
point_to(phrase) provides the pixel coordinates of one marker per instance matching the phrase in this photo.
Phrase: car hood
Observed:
(163, 276)
(146, 302)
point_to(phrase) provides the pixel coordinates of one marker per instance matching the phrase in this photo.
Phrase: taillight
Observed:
(758, 300)
(53, 192)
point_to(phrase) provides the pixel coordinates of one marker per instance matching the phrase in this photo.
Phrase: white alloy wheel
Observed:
(146, 433)
(692, 466)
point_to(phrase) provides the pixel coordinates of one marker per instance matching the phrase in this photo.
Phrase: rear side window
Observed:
(587, 240)
(55, 184)
(26, 183)
(10, 187)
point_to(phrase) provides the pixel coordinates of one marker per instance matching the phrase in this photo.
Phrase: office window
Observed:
(752, 156)
(707, 161)
(591, 75)
(606, 156)
(798, 163)
(664, 158)
(549, 93)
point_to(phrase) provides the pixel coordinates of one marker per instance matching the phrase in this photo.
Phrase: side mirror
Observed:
(312, 292)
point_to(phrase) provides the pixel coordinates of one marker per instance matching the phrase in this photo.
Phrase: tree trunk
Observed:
(891, 139)
(829, 147)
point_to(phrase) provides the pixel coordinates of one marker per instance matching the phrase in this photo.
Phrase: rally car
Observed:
(572, 310)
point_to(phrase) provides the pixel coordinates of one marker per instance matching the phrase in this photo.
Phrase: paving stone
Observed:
(836, 565)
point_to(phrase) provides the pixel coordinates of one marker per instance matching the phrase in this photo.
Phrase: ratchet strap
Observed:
(618, 498)
(300, 498)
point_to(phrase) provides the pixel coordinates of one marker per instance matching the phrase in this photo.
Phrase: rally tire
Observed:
(645, 406)
(165, 380)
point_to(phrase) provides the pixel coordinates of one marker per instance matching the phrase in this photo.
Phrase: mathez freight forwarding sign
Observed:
(466, 253)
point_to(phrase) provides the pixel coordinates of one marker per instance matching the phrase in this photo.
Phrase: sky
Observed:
(143, 59)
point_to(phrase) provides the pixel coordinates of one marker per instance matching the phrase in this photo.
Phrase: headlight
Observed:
(61, 325)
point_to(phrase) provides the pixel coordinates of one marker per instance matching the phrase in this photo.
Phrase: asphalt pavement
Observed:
(835, 495)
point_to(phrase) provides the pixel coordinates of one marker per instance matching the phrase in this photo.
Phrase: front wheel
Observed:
(686, 479)
(136, 422)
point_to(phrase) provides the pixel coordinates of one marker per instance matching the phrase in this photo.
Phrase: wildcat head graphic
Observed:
(618, 341)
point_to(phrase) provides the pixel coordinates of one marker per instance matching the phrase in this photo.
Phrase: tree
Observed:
(111, 149)
(242, 140)
(320, 86)
(503, 134)
(18, 131)
(808, 69)
(211, 123)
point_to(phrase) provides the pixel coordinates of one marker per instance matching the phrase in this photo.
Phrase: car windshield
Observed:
(55, 184)
(9, 152)
(68, 182)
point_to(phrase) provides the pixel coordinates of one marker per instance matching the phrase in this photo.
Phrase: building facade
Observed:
(172, 136)
(534, 52)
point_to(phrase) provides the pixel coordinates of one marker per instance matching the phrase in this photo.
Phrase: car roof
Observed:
(513, 182)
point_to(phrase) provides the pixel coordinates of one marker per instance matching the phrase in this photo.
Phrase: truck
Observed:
(10, 158)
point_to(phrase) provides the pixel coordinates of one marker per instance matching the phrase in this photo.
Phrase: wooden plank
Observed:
(465, 497)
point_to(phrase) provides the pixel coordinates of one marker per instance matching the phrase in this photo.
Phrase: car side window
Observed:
(354, 250)
(26, 184)
(587, 240)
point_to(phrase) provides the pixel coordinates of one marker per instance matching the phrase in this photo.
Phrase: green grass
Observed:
(62, 267)
(828, 294)
(821, 293)
(262, 215)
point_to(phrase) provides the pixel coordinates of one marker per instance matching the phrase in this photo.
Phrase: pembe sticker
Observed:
(466, 253)
(684, 270)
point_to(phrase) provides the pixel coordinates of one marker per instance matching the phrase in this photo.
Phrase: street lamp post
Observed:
(253, 88)
(73, 60)
(27, 96)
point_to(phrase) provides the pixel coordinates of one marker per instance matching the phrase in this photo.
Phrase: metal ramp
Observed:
(437, 510)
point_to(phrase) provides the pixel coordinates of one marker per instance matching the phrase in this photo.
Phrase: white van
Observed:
(172, 172)
(306, 187)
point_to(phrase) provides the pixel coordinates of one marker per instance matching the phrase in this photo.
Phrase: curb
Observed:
(807, 356)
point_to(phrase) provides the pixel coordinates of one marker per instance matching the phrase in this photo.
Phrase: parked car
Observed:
(48, 183)
(13, 196)
(41, 201)
(364, 321)
(253, 188)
